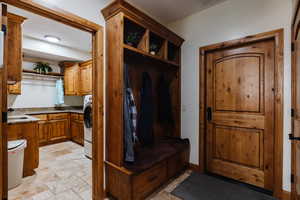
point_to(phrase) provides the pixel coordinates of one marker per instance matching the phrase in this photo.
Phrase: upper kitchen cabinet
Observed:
(86, 77)
(71, 78)
(14, 66)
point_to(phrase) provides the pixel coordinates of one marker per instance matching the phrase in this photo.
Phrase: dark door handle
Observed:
(291, 137)
(209, 114)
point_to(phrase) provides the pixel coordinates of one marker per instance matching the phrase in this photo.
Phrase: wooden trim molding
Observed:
(285, 195)
(130, 11)
(277, 36)
(52, 12)
(194, 167)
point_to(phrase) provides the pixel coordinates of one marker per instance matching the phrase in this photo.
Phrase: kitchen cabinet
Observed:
(86, 77)
(53, 128)
(15, 88)
(77, 78)
(27, 131)
(71, 80)
(77, 128)
(14, 55)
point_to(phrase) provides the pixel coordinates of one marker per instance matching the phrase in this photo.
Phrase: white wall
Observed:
(36, 46)
(231, 20)
(38, 93)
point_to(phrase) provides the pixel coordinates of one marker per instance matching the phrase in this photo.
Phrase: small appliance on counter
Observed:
(88, 120)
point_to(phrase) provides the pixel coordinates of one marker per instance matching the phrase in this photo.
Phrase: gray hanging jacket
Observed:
(130, 115)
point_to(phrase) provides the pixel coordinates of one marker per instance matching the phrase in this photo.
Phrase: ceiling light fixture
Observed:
(52, 38)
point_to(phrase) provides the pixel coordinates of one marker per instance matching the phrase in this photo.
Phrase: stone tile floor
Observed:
(64, 173)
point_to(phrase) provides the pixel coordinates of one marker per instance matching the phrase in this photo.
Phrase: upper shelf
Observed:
(148, 43)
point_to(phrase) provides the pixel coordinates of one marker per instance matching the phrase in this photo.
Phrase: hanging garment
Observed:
(165, 115)
(130, 122)
(59, 93)
(146, 118)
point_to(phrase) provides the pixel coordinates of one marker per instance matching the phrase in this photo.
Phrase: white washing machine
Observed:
(88, 123)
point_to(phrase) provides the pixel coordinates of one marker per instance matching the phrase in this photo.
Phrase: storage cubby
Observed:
(135, 35)
(157, 45)
(173, 52)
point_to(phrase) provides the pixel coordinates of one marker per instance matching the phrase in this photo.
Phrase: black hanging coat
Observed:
(146, 117)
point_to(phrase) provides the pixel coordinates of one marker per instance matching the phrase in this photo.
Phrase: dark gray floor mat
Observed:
(204, 187)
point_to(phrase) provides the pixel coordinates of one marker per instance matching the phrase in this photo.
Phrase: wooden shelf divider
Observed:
(144, 53)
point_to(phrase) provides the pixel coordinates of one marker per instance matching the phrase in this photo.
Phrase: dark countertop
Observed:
(22, 115)
(54, 111)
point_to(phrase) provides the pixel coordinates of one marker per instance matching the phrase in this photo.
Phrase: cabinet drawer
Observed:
(58, 116)
(41, 117)
(80, 117)
(74, 116)
(148, 181)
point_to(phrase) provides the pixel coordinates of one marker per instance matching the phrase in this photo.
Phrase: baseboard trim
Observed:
(285, 195)
(194, 167)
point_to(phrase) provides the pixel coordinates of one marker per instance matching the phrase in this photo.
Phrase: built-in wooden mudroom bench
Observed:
(156, 51)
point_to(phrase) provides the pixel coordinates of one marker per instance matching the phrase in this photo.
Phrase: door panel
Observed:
(241, 146)
(240, 96)
(296, 120)
(237, 87)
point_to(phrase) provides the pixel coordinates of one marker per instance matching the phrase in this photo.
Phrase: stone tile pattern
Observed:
(64, 173)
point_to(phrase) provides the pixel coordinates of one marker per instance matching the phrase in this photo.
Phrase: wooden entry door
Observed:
(240, 113)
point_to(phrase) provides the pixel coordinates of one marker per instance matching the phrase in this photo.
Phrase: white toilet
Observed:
(15, 162)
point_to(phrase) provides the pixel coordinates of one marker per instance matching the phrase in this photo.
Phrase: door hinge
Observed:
(292, 178)
(291, 137)
(4, 29)
(293, 112)
(4, 117)
(293, 46)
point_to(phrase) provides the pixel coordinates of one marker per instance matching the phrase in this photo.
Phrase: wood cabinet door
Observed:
(71, 80)
(14, 62)
(43, 130)
(86, 80)
(15, 89)
(59, 129)
(77, 132)
(240, 113)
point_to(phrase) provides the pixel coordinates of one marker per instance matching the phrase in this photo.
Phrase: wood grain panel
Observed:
(237, 87)
(235, 119)
(114, 33)
(242, 146)
(28, 131)
(240, 173)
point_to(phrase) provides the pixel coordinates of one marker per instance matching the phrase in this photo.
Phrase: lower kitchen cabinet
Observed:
(59, 129)
(77, 128)
(27, 131)
(77, 132)
(43, 129)
(53, 128)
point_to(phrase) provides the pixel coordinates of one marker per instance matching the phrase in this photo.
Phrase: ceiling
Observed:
(171, 10)
(37, 27)
(165, 11)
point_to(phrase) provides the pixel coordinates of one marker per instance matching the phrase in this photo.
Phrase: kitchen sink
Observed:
(17, 117)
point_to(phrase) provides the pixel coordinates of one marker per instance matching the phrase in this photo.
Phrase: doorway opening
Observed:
(69, 75)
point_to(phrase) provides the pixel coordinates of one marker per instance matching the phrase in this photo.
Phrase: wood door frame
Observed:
(52, 12)
(278, 37)
(295, 27)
